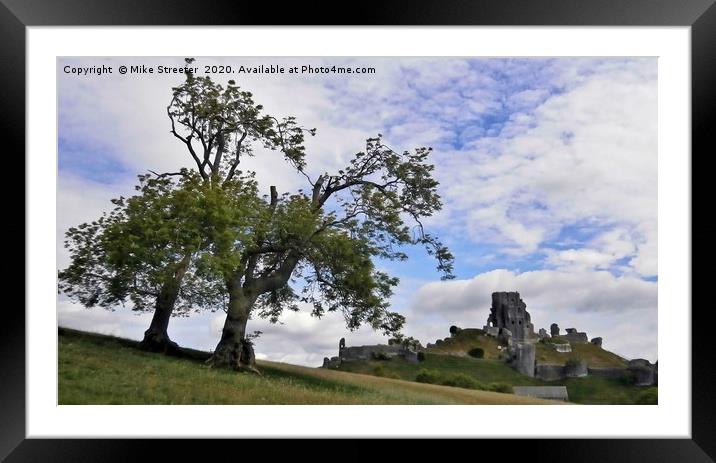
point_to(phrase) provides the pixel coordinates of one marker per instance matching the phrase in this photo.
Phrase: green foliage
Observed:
(649, 396)
(628, 378)
(221, 117)
(454, 330)
(557, 340)
(428, 376)
(477, 352)
(500, 387)
(421, 356)
(155, 244)
(462, 380)
(408, 342)
(379, 370)
(411, 343)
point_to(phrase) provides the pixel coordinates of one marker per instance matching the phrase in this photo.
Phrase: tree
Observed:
(323, 241)
(407, 342)
(148, 250)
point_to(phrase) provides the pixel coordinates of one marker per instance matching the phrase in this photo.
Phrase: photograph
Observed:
(357, 231)
(435, 221)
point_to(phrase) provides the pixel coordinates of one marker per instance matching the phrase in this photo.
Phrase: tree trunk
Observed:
(156, 338)
(234, 351)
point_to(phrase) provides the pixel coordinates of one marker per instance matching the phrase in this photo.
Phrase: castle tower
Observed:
(510, 312)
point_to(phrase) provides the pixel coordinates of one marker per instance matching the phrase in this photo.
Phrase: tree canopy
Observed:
(264, 253)
(151, 250)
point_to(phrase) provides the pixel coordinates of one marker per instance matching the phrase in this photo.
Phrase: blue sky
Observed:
(547, 171)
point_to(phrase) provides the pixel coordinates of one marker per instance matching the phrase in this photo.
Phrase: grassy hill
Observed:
(469, 338)
(595, 356)
(587, 390)
(97, 369)
(448, 362)
(487, 371)
(466, 339)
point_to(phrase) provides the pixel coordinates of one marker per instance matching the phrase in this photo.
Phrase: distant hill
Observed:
(98, 369)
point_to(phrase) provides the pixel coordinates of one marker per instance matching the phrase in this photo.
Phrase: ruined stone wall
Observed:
(561, 347)
(576, 369)
(573, 336)
(644, 373)
(369, 352)
(542, 392)
(333, 362)
(523, 358)
(549, 372)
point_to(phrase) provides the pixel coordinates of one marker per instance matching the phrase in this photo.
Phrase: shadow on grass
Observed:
(107, 340)
(200, 357)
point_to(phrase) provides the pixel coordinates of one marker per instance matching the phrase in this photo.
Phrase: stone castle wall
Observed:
(549, 372)
(369, 352)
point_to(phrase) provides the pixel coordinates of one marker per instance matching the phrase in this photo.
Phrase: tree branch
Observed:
(168, 174)
(234, 164)
(221, 145)
(281, 276)
(187, 142)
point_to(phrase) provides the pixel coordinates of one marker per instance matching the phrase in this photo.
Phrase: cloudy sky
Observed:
(547, 171)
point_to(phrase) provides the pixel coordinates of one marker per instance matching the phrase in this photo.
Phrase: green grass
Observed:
(587, 390)
(595, 356)
(96, 369)
(465, 340)
(603, 391)
(487, 371)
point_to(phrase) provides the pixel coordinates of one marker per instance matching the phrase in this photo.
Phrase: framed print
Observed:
(320, 230)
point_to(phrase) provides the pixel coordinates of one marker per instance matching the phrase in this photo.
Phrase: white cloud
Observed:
(622, 310)
(580, 259)
(80, 200)
(121, 322)
(306, 340)
(588, 154)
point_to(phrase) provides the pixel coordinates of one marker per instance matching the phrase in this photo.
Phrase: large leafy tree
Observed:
(150, 250)
(316, 247)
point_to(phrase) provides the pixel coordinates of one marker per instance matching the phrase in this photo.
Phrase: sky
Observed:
(547, 172)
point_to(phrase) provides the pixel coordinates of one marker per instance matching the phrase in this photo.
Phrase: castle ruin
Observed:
(389, 351)
(511, 324)
(509, 312)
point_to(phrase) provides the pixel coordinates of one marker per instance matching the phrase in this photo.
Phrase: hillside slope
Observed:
(448, 362)
(97, 369)
(469, 338)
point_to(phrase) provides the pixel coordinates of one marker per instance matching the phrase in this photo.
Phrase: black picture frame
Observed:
(700, 15)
